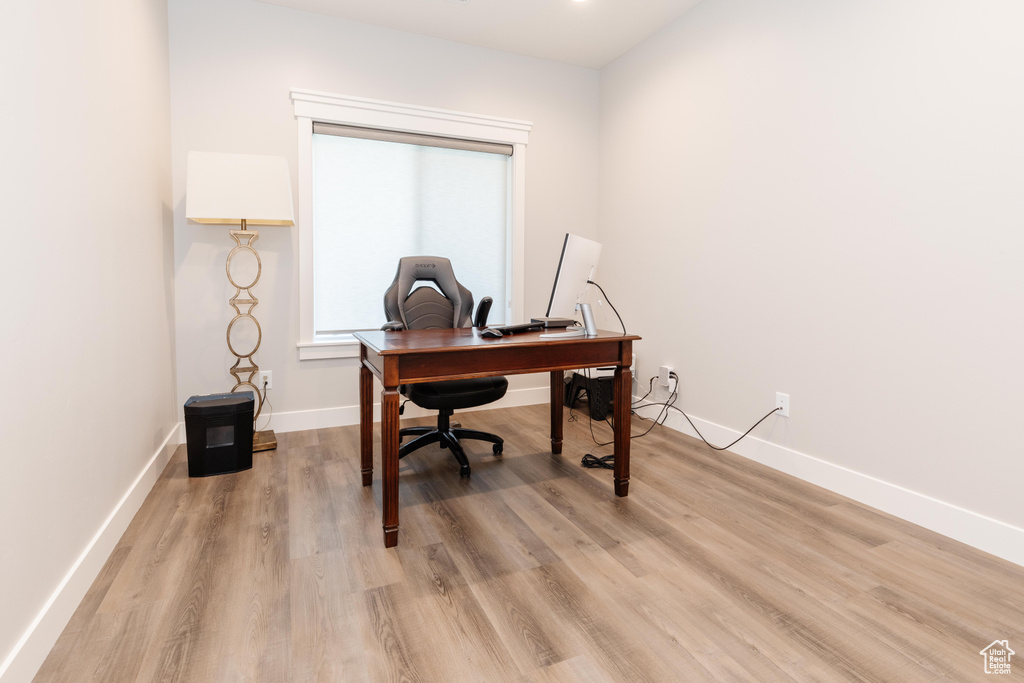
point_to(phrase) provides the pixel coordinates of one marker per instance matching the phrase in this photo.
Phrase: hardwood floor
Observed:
(714, 568)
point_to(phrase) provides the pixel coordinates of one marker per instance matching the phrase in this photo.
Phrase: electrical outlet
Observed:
(664, 374)
(782, 401)
(266, 379)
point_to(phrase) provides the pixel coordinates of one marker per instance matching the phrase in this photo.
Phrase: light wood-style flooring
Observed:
(714, 568)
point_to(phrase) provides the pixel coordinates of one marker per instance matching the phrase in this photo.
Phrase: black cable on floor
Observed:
(594, 462)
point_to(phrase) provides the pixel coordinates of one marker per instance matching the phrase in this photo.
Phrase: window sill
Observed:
(340, 346)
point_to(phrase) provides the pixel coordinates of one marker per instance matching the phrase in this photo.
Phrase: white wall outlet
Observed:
(266, 379)
(664, 374)
(782, 401)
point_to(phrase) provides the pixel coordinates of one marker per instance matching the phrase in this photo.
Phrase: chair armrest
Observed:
(481, 312)
(393, 326)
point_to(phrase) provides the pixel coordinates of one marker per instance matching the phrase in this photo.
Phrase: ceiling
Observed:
(590, 33)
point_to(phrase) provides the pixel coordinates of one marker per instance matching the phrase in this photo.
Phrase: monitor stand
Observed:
(578, 332)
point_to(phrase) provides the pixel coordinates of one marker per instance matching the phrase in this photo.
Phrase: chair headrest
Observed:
(438, 269)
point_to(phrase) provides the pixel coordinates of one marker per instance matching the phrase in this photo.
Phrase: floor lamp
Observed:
(241, 189)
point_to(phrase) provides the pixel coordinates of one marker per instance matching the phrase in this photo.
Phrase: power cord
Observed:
(591, 282)
(660, 419)
(608, 461)
(266, 401)
(593, 462)
(650, 388)
(724, 448)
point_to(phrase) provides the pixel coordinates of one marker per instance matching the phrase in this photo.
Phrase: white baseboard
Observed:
(35, 644)
(976, 530)
(322, 418)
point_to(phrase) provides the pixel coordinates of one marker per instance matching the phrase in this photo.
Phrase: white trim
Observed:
(518, 207)
(341, 416)
(976, 530)
(359, 111)
(24, 660)
(310, 105)
(317, 350)
(304, 229)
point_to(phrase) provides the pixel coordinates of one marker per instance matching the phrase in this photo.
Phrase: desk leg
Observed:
(557, 398)
(389, 463)
(623, 401)
(366, 424)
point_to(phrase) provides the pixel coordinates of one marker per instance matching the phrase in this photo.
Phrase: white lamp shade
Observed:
(227, 188)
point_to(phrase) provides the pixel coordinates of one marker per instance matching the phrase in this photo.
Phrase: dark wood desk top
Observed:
(430, 341)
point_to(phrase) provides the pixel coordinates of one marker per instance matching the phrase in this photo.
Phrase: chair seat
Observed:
(456, 394)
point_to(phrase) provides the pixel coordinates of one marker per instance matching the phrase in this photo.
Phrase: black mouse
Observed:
(492, 332)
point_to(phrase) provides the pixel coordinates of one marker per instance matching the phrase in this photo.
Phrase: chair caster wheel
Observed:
(464, 471)
(497, 449)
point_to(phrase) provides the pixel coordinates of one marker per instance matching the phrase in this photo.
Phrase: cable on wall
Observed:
(608, 461)
(270, 407)
(591, 282)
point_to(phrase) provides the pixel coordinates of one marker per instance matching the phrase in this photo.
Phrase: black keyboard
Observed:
(516, 329)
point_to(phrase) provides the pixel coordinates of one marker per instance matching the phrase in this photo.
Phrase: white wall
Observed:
(233, 63)
(86, 291)
(825, 199)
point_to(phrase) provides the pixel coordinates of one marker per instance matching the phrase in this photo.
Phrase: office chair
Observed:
(427, 308)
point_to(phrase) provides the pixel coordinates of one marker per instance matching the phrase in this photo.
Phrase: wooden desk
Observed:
(413, 356)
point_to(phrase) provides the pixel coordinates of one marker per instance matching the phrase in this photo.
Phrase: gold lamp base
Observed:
(245, 370)
(264, 441)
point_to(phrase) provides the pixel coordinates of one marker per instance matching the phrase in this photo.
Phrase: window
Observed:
(376, 200)
(379, 180)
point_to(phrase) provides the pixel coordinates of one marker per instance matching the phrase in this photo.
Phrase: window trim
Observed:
(310, 106)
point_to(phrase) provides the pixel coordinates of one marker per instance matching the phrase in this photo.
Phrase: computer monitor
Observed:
(576, 266)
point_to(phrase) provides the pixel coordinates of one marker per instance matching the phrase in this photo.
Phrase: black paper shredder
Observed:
(218, 430)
